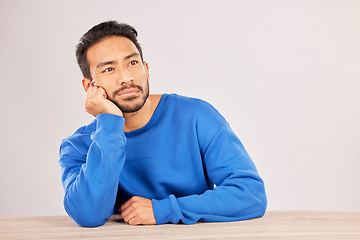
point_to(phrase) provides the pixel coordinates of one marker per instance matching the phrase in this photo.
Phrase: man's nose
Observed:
(125, 76)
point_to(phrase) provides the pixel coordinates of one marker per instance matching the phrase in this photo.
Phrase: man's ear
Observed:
(86, 83)
(146, 66)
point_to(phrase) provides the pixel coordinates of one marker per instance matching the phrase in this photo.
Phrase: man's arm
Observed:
(138, 210)
(239, 194)
(91, 175)
(91, 166)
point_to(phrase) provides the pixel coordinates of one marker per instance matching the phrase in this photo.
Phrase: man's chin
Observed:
(130, 98)
(129, 109)
(130, 105)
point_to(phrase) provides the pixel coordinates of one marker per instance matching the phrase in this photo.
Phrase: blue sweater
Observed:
(175, 160)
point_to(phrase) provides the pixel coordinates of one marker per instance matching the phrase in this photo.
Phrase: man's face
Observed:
(115, 64)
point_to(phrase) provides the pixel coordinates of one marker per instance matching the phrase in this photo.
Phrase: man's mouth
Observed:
(129, 92)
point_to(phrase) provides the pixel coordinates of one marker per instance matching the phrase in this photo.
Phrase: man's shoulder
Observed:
(196, 107)
(78, 143)
(82, 134)
(87, 129)
(190, 102)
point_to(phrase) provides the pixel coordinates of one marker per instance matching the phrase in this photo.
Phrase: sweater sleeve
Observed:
(90, 171)
(239, 193)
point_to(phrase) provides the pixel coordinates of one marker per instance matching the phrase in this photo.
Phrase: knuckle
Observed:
(137, 212)
(132, 222)
(135, 205)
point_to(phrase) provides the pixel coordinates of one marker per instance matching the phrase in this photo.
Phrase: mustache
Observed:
(131, 85)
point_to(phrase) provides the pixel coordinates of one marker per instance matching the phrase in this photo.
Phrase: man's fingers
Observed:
(133, 217)
(137, 210)
(97, 101)
(127, 203)
(102, 91)
(135, 221)
(128, 215)
(125, 211)
(96, 92)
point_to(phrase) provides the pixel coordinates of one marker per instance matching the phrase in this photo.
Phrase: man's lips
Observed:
(128, 92)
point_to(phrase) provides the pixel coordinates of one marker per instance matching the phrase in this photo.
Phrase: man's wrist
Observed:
(110, 123)
(163, 210)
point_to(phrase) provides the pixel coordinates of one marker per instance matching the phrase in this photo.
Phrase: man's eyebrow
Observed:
(135, 54)
(104, 63)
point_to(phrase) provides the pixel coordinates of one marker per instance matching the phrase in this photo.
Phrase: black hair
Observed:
(98, 33)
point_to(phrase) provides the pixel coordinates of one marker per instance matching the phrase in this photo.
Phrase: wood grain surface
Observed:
(274, 225)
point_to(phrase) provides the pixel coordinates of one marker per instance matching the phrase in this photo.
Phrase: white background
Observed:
(285, 74)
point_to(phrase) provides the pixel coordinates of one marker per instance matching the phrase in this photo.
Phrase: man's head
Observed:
(98, 33)
(110, 57)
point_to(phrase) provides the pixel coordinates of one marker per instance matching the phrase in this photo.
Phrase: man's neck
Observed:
(140, 118)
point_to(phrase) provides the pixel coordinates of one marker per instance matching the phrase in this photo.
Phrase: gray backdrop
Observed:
(284, 73)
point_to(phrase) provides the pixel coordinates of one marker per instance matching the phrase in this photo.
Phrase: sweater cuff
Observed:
(165, 210)
(110, 123)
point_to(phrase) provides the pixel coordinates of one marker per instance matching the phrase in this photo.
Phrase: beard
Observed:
(134, 103)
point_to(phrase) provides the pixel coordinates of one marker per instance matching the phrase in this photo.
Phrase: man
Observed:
(152, 158)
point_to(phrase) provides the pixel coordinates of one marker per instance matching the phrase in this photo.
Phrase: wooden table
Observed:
(274, 225)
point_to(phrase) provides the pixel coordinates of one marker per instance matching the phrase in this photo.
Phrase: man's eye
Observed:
(134, 62)
(109, 69)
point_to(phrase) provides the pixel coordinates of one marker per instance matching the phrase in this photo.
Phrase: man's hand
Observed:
(96, 102)
(138, 210)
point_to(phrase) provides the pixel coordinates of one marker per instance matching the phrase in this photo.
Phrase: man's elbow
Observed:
(261, 205)
(90, 222)
(256, 203)
(84, 218)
